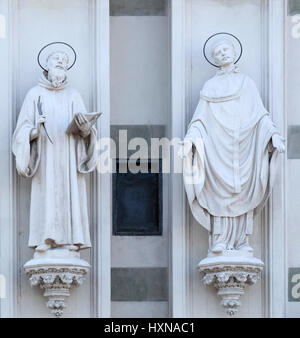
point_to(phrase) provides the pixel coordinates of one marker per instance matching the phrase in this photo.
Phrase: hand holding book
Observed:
(82, 123)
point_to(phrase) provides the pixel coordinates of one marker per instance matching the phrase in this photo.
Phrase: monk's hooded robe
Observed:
(58, 209)
(229, 166)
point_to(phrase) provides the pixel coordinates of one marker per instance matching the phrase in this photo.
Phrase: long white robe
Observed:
(58, 209)
(230, 169)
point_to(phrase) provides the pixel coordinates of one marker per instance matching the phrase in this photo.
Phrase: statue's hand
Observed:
(278, 143)
(36, 131)
(83, 125)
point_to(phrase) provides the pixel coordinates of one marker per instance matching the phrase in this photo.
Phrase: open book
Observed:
(91, 117)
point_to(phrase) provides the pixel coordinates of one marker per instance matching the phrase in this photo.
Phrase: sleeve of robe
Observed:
(193, 168)
(86, 151)
(273, 153)
(27, 152)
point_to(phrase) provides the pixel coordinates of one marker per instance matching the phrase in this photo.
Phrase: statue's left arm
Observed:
(277, 139)
(85, 142)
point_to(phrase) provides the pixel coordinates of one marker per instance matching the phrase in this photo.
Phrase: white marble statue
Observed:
(230, 154)
(56, 161)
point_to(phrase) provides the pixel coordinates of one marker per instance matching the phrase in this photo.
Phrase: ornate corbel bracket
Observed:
(57, 272)
(230, 274)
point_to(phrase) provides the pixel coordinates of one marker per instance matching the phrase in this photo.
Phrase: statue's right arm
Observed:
(21, 145)
(35, 132)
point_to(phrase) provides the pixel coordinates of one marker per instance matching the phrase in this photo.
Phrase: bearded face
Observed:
(224, 54)
(57, 64)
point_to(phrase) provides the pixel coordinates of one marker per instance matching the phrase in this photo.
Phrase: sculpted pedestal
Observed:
(230, 273)
(56, 271)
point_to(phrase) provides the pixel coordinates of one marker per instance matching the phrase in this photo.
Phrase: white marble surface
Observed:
(139, 81)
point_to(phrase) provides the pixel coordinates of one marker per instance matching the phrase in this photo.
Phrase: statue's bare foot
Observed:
(219, 248)
(43, 248)
(73, 247)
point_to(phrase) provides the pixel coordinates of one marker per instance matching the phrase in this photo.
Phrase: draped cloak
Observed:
(58, 209)
(230, 163)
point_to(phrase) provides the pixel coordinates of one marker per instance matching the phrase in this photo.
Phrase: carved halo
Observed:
(51, 48)
(212, 40)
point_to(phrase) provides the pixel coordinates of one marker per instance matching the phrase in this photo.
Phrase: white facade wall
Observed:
(176, 73)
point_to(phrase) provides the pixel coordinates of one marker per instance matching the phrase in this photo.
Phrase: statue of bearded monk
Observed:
(56, 161)
(230, 154)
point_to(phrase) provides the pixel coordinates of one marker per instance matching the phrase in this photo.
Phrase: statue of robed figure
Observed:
(230, 152)
(56, 161)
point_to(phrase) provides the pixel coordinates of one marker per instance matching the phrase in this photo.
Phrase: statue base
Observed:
(230, 273)
(56, 271)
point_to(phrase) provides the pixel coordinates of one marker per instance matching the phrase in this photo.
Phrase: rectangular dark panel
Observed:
(139, 284)
(138, 7)
(137, 201)
(293, 147)
(144, 131)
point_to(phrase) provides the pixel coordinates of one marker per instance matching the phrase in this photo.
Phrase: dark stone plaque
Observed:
(138, 7)
(137, 202)
(294, 7)
(293, 147)
(139, 284)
